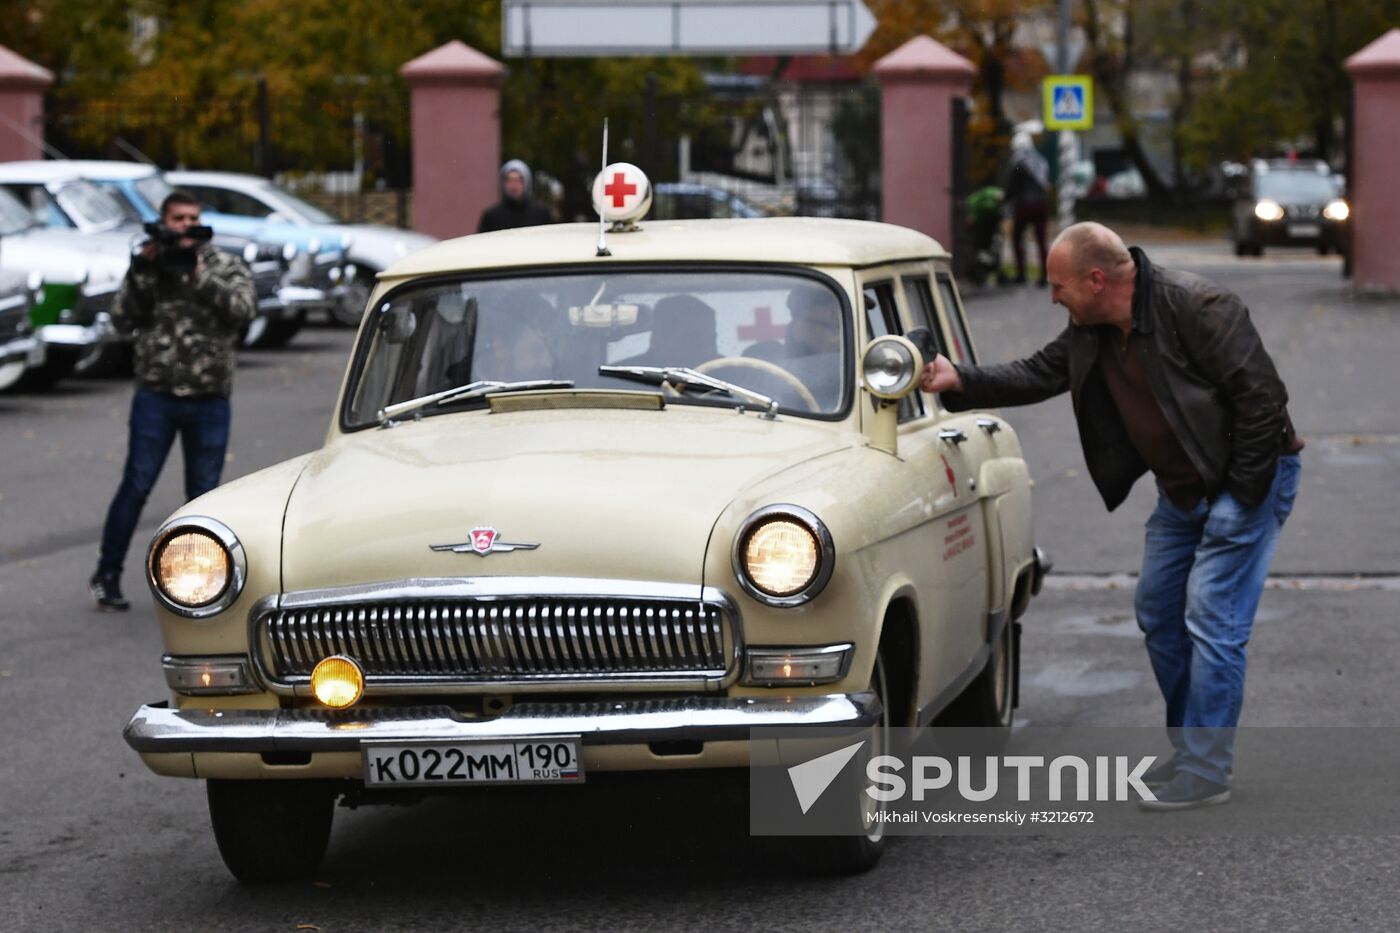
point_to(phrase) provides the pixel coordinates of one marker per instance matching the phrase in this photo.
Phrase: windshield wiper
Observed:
(684, 377)
(468, 391)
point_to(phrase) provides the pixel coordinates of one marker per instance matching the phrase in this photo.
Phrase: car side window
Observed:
(881, 318)
(922, 311)
(957, 325)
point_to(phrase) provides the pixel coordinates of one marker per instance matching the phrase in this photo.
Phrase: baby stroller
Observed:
(984, 226)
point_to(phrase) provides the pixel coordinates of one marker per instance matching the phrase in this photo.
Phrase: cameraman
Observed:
(187, 302)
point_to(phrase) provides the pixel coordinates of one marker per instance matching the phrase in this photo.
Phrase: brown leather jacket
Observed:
(1208, 369)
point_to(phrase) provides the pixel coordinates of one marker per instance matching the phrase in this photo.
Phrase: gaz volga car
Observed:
(584, 509)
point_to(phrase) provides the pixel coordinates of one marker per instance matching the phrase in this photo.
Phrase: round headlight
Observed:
(1268, 210)
(196, 567)
(1337, 210)
(289, 252)
(337, 681)
(250, 253)
(783, 555)
(891, 367)
(314, 246)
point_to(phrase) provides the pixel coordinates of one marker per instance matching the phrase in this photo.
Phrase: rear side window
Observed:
(957, 325)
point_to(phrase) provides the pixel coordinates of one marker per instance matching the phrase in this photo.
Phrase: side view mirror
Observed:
(889, 369)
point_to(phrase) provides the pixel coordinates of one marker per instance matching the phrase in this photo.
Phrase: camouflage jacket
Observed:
(186, 327)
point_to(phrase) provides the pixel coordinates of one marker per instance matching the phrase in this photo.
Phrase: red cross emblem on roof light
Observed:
(621, 192)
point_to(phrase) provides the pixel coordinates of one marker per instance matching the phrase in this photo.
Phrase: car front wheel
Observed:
(989, 701)
(271, 830)
(858, 851)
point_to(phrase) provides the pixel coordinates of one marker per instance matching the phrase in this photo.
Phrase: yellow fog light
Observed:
(337, 681)
(192, 568)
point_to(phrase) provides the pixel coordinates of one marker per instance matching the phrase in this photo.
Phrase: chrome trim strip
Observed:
(510, 655)
(825, 567)
(157, 728)
(238, 565)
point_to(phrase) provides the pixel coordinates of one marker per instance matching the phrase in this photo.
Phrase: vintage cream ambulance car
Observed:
(594, 504)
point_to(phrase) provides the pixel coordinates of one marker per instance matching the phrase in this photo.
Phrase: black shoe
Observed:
(1185, 791)
(1160, 774)
(107, 590)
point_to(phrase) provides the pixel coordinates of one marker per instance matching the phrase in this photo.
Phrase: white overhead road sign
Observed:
(585, 28)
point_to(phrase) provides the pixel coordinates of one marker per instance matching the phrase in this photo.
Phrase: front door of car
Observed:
(944, 554)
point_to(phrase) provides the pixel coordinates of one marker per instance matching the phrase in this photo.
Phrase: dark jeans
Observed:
(1033, 216)
(201, 421)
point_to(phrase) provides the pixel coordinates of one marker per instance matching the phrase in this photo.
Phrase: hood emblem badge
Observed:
(484, 540)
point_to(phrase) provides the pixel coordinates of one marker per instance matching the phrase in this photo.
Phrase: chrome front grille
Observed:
(501, 640)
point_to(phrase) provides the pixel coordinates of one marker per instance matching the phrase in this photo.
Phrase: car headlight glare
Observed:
(196, 566)
(337, 681)
(1268, 211)
(192, 568)
(250, 253)
(1337, 210)
(289, 252)
(783, 555)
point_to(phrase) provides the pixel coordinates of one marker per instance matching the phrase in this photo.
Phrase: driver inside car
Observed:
(682, 334)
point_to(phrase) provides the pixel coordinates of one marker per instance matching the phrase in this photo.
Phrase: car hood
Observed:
(604, 494)
(63, 255)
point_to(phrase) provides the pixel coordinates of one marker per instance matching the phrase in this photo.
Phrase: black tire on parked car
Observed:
(273, 830)
(57, 366)
(350, 310)
(860, 850)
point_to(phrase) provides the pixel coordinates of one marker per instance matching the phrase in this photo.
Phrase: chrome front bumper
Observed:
(158, 728)
(27, 350)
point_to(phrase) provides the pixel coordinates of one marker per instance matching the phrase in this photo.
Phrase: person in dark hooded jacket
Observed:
(516, 208)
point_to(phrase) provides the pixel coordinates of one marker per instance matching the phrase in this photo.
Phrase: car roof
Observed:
(38, 171)
(229, 179)
(808, 241)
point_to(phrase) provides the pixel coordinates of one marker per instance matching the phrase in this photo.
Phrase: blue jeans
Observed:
(202, 423)
(1203, 572)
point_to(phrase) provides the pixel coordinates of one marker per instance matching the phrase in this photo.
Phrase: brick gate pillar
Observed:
(918, 82)
(22, 86)
(1374, 170)
(456, 114)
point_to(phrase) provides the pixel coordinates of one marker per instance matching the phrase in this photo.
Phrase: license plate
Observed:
(497, 761)
(1304, 230)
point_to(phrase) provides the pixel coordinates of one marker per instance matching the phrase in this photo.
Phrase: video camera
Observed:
(170, 254)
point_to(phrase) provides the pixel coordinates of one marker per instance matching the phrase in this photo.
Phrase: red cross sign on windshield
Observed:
(619, 188)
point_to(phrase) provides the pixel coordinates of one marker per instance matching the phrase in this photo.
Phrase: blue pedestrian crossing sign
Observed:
(1068, 102)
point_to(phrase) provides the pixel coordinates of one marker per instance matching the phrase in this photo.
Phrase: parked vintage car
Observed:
(588, 509)
(1287, 202)
(369, 248)
(113, 198)
(80, 275)
(20, 348)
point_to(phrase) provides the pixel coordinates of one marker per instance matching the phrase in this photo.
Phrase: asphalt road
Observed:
(90, 840)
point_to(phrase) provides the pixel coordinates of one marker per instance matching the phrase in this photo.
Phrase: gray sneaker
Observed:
(1160, 774)
(1186, 791)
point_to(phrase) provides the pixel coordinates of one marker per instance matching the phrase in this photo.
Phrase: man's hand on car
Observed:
(940, 376)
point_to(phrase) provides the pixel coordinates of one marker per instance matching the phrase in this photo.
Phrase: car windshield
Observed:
(303, 209)
(784, 335)
(1296, 186)
(153, 189)
(14, 216)
(90, 206)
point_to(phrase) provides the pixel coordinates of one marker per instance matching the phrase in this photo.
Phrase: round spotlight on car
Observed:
(890, 367)
(1337, 210)
(1268, 210)
(337, 681)
(783, 555)
(196, 566)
